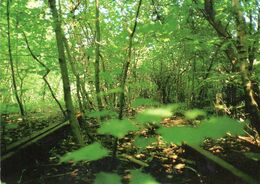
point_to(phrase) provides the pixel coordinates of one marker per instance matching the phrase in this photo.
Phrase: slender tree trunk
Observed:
(124, 76)
(65, 77)
(252, 107)
(193, 99)
(126, 65)
(20, 104)
(97, 59)
(75, 73)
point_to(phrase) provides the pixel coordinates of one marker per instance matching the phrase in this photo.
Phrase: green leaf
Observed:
(107, 178)
(215, 128)
(178, 135)
(143, 142)
(91, 152)
(194, 113)
(156, 115)
(117, 128)
(137, 177)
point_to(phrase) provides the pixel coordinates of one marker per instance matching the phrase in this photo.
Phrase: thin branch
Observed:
(44, 77)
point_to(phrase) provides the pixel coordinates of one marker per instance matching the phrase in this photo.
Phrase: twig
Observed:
(132, 159)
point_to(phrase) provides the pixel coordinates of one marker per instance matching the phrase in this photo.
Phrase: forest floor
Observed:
(167, 163)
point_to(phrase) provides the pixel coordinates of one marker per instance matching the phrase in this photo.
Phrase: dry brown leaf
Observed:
(179, 166)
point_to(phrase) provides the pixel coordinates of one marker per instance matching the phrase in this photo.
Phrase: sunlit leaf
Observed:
(178, 135)
(215, 127)
(194, 113)
(138, 177)
(91, 152)
(117, 128)
(156, 114)
(107, 178)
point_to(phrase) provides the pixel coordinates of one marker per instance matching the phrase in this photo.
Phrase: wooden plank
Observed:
(13, 148)
(28, 138)
(222, 163)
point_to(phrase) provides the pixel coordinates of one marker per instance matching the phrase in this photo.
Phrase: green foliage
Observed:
(175, 54)
(8, 108)
(215, 127)
(194, 113)
(103, 113)
(91, 152)
(143, 142)
(178, 135)
(107, 178)
(111, 91)
(117, 128)
(10, 125)
(156, 115)
(137, 177)
(144, 102)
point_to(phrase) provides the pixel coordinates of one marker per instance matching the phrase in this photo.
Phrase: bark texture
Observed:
(64, 74)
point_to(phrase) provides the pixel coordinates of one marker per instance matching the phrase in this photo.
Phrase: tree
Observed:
(126, 64)
(97, 56)
(252, 101)
(64, 72)
(239, 58)
(20, 104)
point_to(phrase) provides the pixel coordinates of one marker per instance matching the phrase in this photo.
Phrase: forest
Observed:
(130, 91)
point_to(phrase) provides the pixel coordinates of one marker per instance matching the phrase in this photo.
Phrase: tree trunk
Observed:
(242, 58)
(20, 104)
(97, 59)
(65, 77)
(75, 73)
(126, 65)
(252, 107)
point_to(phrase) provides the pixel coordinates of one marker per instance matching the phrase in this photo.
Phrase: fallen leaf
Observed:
(179, 166)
